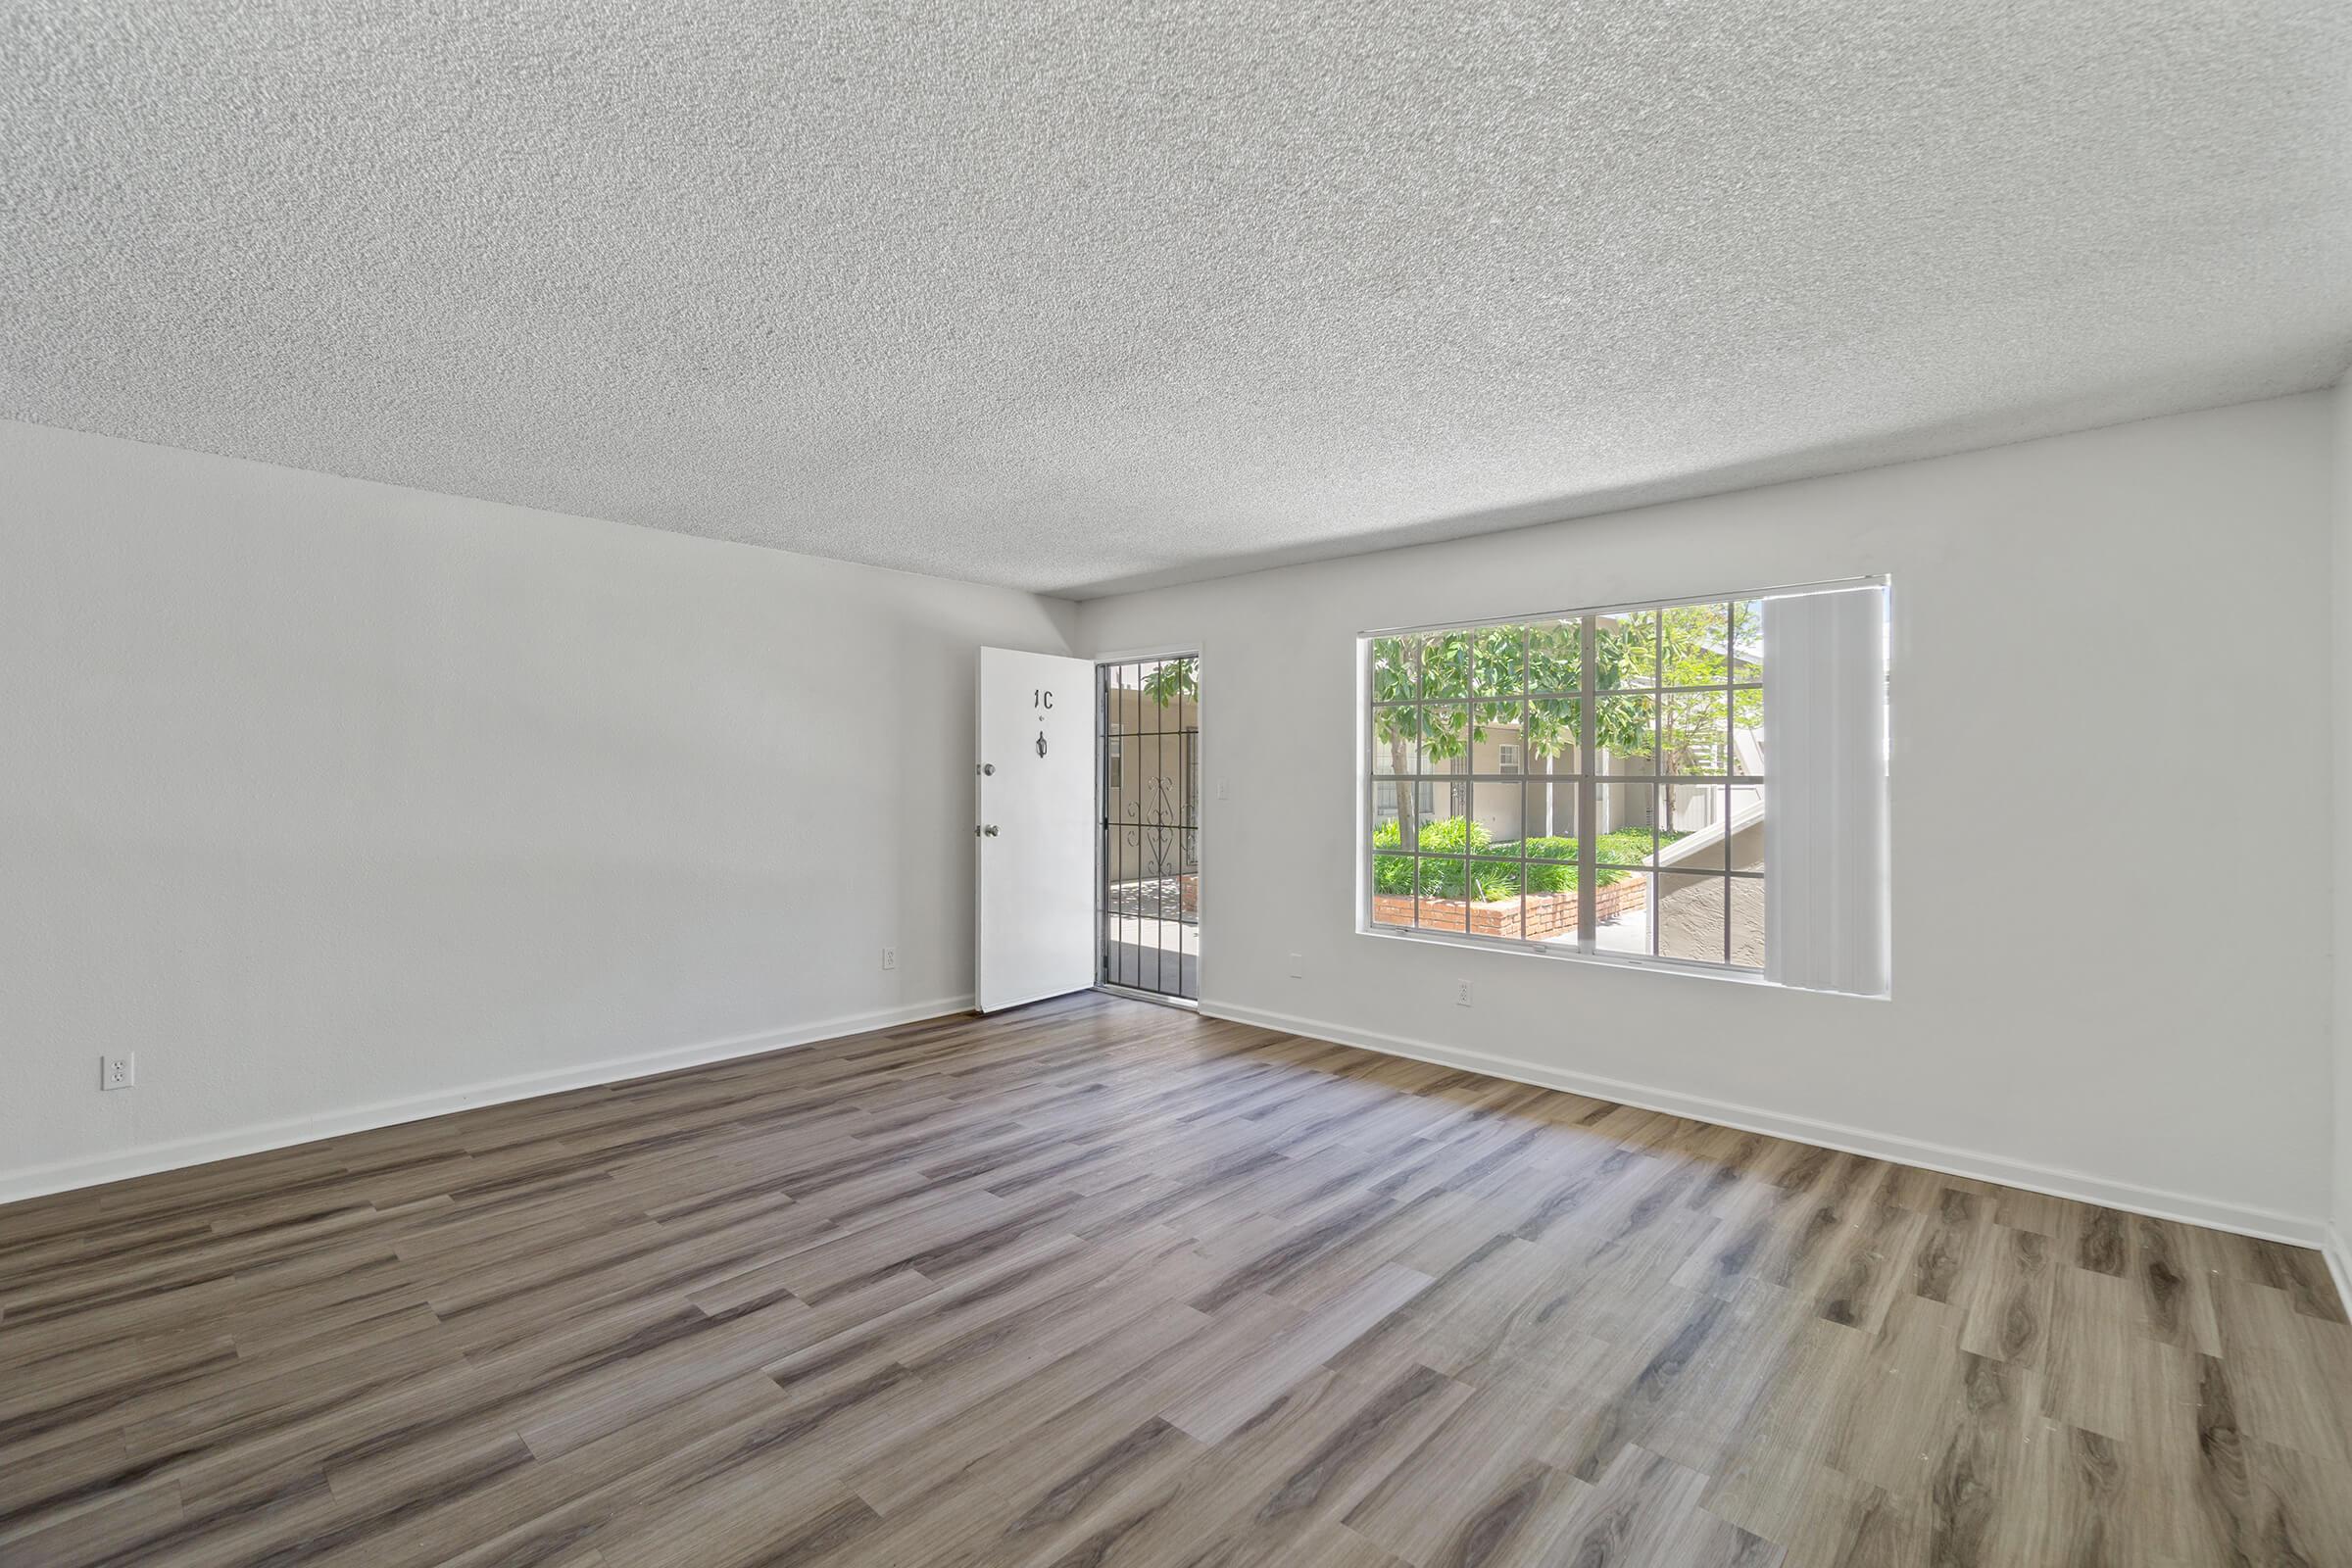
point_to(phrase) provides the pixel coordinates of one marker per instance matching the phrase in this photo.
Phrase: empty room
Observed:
(1235, 785)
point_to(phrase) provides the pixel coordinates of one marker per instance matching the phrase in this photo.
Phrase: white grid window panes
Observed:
(1593, 782)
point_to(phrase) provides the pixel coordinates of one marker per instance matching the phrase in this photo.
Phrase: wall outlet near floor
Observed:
(1298, 966)
(1461, 993)
(890, 958)
(118, 1069)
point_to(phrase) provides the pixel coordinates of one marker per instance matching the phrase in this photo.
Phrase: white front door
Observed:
(1036, 826)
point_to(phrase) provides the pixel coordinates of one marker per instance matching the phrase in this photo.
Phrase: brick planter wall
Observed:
(1549, 915)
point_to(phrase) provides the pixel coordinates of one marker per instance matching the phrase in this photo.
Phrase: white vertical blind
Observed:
(1825, 823)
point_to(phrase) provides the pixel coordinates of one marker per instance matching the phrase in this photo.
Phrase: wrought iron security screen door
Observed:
(1147, 793)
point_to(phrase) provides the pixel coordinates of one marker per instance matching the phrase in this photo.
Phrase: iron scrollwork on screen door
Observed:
(1156, 835)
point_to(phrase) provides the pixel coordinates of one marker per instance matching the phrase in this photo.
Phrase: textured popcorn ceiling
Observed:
(1065, 297)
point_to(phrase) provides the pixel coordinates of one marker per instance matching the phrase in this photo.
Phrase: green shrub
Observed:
(1630, 845)
(1493, 880)
(1545, 879)
(1442, 879)
(1451, 836)
(1455, 835)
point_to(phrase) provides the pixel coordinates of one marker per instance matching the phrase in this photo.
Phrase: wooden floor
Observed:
(1104, 1284)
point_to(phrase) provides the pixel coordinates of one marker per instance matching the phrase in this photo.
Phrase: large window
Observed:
(1697, 782)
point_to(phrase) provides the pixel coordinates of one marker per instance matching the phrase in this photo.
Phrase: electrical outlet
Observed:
(1298, 966)
(890, 958)
(1461, 993)
(119, 1070)
(1224, 789)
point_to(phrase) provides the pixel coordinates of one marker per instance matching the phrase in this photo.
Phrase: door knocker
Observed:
(1040, 743)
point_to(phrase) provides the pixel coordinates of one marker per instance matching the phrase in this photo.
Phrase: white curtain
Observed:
(1825, 821)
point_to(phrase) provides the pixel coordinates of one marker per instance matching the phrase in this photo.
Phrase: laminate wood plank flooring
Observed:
(1098, 1283)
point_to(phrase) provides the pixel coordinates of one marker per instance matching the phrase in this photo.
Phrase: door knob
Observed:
(989, 830)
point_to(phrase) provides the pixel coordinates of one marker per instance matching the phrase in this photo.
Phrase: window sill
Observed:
(1692, 967)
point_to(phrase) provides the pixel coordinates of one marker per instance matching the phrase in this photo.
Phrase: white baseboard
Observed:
(2338, 1253)
(2268, 1224)
(34, 1181)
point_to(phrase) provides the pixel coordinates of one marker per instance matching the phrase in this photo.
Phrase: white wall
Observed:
(2342, 824)
(2083, 1002)
(327, 796)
